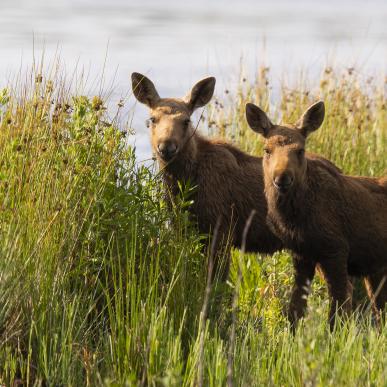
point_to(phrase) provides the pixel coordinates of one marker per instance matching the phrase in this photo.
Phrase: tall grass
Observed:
(353, 135)
(101, 283)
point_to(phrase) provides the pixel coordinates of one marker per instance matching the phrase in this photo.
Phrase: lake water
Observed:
(178, 42)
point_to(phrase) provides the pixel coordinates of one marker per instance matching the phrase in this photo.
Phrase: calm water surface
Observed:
(178, 42)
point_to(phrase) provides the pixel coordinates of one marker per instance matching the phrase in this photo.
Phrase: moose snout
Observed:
(167, 150)
(283, 182)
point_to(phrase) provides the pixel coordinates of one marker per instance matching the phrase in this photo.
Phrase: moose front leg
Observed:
(339, 287)
(218, 298)
(304, 270)
(376, 285)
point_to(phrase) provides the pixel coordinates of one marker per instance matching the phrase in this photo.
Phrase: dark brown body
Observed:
(332, 215)
(337, 222)
(227, 191)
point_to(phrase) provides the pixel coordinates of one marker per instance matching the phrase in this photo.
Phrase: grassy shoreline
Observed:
(101, 284)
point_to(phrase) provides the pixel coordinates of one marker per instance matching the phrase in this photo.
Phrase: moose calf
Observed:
(229, 183)
(328, 219)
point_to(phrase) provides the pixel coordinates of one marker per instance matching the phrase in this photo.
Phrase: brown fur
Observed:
(227, 187)
(337, 222)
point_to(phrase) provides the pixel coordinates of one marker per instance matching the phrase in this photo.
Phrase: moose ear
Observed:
(312, 119)
(144, 90)
(258, 120)
(201, 93)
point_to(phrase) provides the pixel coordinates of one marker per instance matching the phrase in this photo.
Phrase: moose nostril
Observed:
(283, 180)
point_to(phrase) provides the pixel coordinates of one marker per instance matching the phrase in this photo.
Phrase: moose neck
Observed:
(290, 208)
(183, 167)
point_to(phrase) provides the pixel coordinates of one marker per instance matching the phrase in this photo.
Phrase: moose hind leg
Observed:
(376, 285)
(339, 287)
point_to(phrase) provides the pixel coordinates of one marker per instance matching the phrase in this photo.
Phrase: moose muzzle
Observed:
(167, 150)
(283, 182)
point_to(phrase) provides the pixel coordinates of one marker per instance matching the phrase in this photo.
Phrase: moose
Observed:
(331, 221)
(227, 190)
(229, 182)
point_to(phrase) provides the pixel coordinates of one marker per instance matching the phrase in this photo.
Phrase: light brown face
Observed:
(284, 157)
(284, 162)
(170, 118)
(171, 128)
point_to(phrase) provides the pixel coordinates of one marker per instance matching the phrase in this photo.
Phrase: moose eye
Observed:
(150, 121)
(186, 123)
(267, 152)
(301, 152)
